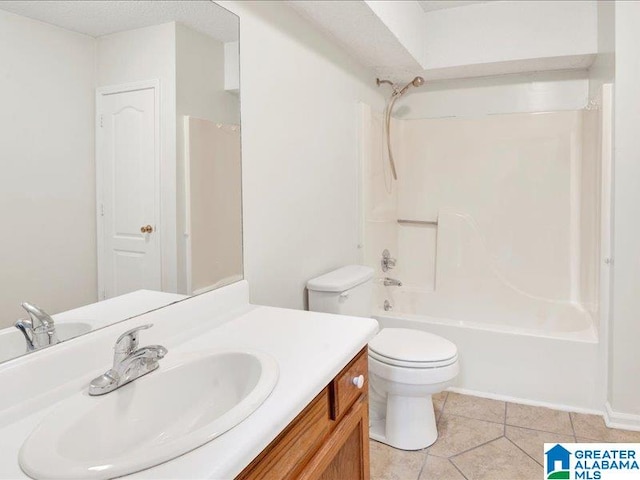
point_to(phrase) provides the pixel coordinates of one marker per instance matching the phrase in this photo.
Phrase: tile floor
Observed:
(483, 439)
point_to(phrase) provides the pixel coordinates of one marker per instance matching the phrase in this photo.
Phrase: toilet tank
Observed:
(346, 291)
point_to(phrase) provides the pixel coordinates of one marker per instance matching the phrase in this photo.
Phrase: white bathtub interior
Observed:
(506, 252)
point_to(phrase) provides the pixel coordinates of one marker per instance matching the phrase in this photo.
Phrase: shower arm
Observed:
(394, 86)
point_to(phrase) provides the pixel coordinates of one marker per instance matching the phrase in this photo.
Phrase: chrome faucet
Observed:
(39, 330)
(391, 282)
(129, 362)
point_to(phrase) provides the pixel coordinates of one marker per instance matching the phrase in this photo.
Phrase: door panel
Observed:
(128, 271)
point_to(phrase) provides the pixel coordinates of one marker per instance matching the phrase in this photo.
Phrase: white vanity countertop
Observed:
(118, 308)
(311, 348)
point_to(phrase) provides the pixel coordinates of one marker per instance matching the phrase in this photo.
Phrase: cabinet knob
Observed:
(358, 381)
(146, 229)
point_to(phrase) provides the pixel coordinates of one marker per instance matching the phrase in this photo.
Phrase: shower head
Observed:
(416, 82)
(397, 91)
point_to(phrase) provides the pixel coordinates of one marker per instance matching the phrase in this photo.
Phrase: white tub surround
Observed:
(305, 345)
(495, 222)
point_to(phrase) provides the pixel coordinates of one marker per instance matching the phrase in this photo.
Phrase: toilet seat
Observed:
(417, 365)
(402, 347)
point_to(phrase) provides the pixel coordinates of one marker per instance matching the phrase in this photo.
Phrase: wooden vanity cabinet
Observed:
(329, 439)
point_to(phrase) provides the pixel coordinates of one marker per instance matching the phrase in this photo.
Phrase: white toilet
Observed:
(406, 366)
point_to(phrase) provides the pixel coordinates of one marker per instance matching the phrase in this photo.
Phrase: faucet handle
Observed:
(128, 341)
(387, 261)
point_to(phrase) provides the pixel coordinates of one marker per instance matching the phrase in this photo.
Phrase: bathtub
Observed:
(520, 349)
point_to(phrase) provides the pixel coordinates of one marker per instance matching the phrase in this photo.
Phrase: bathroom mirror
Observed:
(120, 189)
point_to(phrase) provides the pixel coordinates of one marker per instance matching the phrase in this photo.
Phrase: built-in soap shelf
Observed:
(403, 221)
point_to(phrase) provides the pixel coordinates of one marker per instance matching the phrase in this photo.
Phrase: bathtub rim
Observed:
(587, 335)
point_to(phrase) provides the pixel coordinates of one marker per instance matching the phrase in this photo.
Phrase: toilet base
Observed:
(410, 423)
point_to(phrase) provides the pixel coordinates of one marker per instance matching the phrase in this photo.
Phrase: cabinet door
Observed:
(345, 454)
(292, 449)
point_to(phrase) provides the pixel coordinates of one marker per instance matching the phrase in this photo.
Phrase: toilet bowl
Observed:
(406, 367)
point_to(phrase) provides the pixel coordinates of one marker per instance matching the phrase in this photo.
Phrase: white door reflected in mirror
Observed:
(128, 150)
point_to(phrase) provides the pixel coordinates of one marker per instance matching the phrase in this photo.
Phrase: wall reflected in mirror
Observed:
(120, 190)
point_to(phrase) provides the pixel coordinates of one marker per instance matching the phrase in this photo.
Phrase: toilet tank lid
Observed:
(341, 279)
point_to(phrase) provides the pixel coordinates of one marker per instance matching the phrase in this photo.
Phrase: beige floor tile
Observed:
(498, 460)
(532, 441)
(475, 407)
(593, 427)
(457, 434)
(392, 464)
(586, 440)
(438, 468)
(539, 418)
(438, 402)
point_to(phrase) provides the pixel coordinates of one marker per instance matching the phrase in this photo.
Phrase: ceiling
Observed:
(431, 5)
(373, 43)
(354, 25)
(98, 18)
(368, 40)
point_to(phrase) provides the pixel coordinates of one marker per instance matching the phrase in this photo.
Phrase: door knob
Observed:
(146, 229)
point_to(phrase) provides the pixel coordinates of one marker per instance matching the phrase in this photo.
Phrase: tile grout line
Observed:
(518, 447)
(573, 429)
(510, 425)
(424, 464)
(538, 430)
(474, 418)
(505, 419)
(456, 467)
(446, 397)
(472, 448)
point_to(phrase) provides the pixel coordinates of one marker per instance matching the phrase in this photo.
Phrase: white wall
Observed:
(518, 93)
(232, 66)
(299, 151)
(148, 54)
(47, 184)
(603, 68)
(200, 74)
(200, 83)
(624, 388)
(496, 32)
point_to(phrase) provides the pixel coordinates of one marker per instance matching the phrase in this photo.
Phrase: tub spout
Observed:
(391, 282)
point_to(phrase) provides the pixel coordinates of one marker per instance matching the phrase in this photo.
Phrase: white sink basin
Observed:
(12, 342)
(151, 420)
